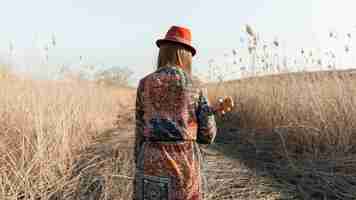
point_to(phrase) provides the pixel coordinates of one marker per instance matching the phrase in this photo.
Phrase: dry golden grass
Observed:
(43, 127)
(314, 117)
(59, 139)
(321, 104)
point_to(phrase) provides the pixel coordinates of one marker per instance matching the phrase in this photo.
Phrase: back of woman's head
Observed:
(172, 54)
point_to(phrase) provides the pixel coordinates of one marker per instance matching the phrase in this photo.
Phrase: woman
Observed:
(172, 116)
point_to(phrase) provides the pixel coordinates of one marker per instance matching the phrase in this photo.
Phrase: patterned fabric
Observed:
(172, 116)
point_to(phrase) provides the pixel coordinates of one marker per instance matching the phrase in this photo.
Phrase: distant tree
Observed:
(114, 76)
(4, 71)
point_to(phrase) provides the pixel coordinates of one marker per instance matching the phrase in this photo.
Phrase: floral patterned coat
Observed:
(172, 117)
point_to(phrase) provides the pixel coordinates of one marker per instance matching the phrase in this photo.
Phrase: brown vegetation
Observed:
(65, 140)
(44, 128)
(313, 115)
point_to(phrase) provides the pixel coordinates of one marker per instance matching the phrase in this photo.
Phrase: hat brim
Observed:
(167, 40)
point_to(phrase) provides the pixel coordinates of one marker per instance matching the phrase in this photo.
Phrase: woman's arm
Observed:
(139, 122)
(206, 120)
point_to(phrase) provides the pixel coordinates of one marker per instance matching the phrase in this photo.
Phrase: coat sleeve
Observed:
(139, 112)
(206, 121)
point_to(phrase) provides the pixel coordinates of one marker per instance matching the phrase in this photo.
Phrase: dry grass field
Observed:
(320, 105)
(293, 134)
(308, 119)
(44, 127)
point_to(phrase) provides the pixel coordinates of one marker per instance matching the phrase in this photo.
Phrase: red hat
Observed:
(178, 35)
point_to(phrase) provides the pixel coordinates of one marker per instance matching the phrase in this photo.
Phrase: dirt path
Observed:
(236, 165)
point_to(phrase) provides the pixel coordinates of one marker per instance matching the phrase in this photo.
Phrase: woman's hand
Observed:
(224, 105)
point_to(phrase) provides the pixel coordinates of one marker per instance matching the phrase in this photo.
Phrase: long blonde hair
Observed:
(172, 54)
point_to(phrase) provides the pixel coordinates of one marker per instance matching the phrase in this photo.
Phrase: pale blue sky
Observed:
(123, 33)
